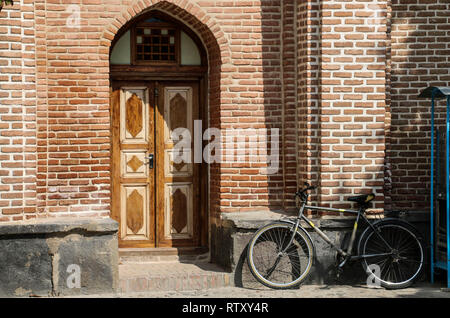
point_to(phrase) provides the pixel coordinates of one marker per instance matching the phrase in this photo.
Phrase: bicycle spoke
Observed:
(380, 245)
(264, 260)
(405, 239)
(409, 246)
(279, 269)
(410, 260)
(405, 262)
(383, 266)
(397, 270)
(289, 269)
(291, 263)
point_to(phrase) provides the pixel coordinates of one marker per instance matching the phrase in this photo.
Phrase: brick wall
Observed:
(72, 83)
(420, 58)
(343, 107)
(308, 51)
(255, 96)
(289, 101)
(17, 112)
(320, 71)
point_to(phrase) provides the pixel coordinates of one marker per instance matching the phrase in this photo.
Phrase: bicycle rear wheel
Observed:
(403, 262)
(275, 264)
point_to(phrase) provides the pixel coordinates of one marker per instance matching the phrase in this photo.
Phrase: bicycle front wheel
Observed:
(275, 264)
(401, 254)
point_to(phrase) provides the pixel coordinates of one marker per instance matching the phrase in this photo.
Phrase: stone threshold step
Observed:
(171, 276)
(168, 254)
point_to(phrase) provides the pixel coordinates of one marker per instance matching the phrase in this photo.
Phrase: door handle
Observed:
(150, 160)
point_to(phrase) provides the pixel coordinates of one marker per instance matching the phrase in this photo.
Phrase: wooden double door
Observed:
(156, 198)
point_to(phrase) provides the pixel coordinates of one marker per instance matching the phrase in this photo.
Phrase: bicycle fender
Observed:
(305, 232)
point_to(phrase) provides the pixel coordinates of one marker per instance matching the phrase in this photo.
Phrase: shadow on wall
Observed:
(420, 39)
(273, 100)
(280, 80)
(291, 52)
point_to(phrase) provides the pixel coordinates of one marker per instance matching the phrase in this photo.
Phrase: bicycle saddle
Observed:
(363, 198)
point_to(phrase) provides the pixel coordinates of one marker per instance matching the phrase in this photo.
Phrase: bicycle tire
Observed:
(270, 240)
(394, 271)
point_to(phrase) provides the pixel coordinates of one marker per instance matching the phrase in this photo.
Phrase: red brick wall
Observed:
(308, 52)
(289, 101)
(72, 84)
(420, 58)
(254, 97)
(313, 69)
(17, 112)
(343, 101)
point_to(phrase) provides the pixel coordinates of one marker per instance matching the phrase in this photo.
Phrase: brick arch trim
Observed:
(190, 14)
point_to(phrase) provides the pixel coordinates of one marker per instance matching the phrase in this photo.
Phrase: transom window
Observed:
(155, 41)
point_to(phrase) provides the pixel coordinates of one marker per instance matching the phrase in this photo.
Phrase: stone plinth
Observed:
(55, 257)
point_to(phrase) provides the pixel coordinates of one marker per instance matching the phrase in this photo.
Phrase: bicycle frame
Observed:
(346, 254)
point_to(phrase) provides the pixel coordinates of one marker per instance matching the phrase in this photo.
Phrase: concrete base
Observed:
(232, 233)
(54, 257)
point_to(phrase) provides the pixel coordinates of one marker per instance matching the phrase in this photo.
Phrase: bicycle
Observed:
(280, 254)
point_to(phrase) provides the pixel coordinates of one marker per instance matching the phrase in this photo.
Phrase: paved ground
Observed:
(306, 291)
(206, 280)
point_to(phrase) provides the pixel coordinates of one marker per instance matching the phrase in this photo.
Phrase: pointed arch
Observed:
(190, 14)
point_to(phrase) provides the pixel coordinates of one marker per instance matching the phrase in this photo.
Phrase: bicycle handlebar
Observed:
(307, 187)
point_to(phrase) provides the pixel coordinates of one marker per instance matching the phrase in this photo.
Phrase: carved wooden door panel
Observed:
(156, 205)
(133, 181)
(178, 178)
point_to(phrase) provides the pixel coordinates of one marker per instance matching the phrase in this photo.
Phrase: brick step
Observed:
(171, 276)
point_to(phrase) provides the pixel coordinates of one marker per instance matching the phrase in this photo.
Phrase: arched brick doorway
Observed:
(165, 205)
